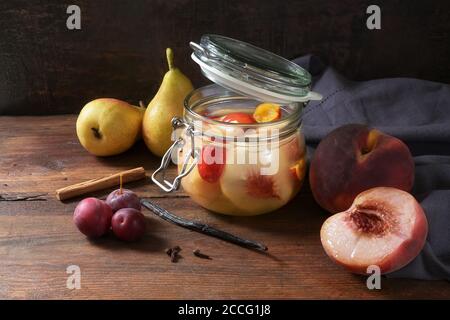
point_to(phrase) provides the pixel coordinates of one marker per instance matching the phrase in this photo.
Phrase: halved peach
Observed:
(254, 188)
(384, 226)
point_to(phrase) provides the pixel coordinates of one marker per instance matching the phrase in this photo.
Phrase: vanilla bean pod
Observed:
(202, 228)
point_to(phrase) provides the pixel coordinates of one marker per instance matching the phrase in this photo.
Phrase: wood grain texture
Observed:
(119, 52)
(38, 240)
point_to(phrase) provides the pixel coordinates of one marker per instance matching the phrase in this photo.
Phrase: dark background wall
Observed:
(46, 69)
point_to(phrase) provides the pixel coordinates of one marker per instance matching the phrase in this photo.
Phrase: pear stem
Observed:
(169, 55)
(121, 183)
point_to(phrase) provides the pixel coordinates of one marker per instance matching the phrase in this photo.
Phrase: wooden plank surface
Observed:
(38, 240)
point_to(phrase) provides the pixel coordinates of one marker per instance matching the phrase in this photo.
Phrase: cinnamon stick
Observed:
(100, 184)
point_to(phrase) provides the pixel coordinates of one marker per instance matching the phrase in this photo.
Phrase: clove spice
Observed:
(174, 253)
(197, 253)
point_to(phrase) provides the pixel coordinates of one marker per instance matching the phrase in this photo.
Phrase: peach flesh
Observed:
(354, 158)
(384, 226)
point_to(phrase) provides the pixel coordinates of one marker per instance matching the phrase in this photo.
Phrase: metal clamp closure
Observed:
(166, 159)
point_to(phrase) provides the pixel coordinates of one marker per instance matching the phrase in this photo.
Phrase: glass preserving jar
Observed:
(226, 162)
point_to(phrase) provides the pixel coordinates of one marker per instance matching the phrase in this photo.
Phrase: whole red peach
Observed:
(354, 158)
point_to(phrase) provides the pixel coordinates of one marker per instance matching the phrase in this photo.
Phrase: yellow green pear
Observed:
(166, 104)
(107, 126)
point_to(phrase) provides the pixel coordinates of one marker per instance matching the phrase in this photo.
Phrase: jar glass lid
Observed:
(251, 71)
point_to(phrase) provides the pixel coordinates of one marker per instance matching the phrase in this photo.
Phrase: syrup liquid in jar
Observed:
(245, 167)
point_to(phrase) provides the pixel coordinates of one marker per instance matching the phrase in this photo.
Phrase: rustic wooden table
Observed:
(38, 240)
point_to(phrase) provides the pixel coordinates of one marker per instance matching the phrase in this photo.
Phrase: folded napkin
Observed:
(417, 112)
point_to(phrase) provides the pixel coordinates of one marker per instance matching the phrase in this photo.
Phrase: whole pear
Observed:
(166, 104)
(107, 126)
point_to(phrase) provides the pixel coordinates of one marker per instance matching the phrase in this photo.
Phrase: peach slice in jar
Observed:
(298, 170)
(295, 151)
(384, 226)
(267, 112)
